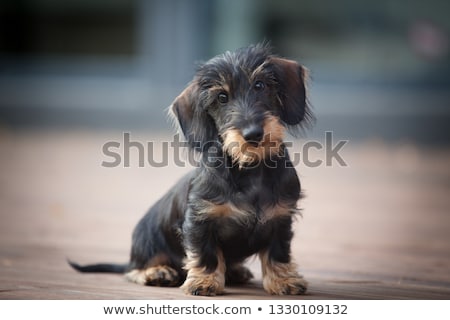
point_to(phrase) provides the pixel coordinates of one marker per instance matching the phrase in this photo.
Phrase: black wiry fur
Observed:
(230, 207)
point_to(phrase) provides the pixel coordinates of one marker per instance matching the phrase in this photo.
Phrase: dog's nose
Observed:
(253, 134)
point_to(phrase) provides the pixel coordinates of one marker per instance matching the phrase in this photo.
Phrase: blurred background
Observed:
(75, 74)
(380, 68)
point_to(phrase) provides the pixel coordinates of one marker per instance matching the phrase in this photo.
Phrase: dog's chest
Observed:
(243, 233)
(248, 214)
(235, 222)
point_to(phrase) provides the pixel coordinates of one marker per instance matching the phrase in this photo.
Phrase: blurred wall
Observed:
(380, 69)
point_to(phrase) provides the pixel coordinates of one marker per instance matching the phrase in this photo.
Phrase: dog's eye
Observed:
(259, 85)
(222, 97)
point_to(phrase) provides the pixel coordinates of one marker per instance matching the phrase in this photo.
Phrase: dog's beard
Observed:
(247, 154)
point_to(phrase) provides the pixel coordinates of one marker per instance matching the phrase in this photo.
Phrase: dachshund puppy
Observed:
(242, 198)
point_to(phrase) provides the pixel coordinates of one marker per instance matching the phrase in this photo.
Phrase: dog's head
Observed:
(246, 100)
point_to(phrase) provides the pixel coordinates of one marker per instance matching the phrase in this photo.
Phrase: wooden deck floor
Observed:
(377, 229)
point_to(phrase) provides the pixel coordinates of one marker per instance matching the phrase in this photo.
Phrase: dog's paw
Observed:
(161, 276)
(206, 285)
(285, 286)
(136, 276)
(238, 274)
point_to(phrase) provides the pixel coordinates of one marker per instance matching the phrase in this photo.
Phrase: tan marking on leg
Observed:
(160, 259)
(137, 276)
(245, 153)
(281, 278)
(203, 283)
(162, 276)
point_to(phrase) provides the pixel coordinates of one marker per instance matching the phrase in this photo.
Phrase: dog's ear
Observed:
(291, 78)
(195, 124)
(182, 108)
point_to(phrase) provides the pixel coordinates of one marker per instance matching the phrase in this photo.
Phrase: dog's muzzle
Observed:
(253, 134)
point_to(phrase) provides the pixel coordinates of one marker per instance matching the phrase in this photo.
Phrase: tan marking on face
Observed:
(219, 88)
(244, 153)
(281, 278)
(199, 281)
(255, 73)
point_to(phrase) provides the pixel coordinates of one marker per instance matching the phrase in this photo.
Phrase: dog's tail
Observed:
(100, 267)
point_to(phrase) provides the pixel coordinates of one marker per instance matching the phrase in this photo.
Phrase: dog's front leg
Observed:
(205, 264)
(280, 275)
(281, 278)
(201, 280)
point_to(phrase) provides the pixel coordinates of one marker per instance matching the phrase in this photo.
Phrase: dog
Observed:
(242, 198)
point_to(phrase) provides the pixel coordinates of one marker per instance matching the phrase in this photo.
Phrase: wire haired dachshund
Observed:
(242, 198)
